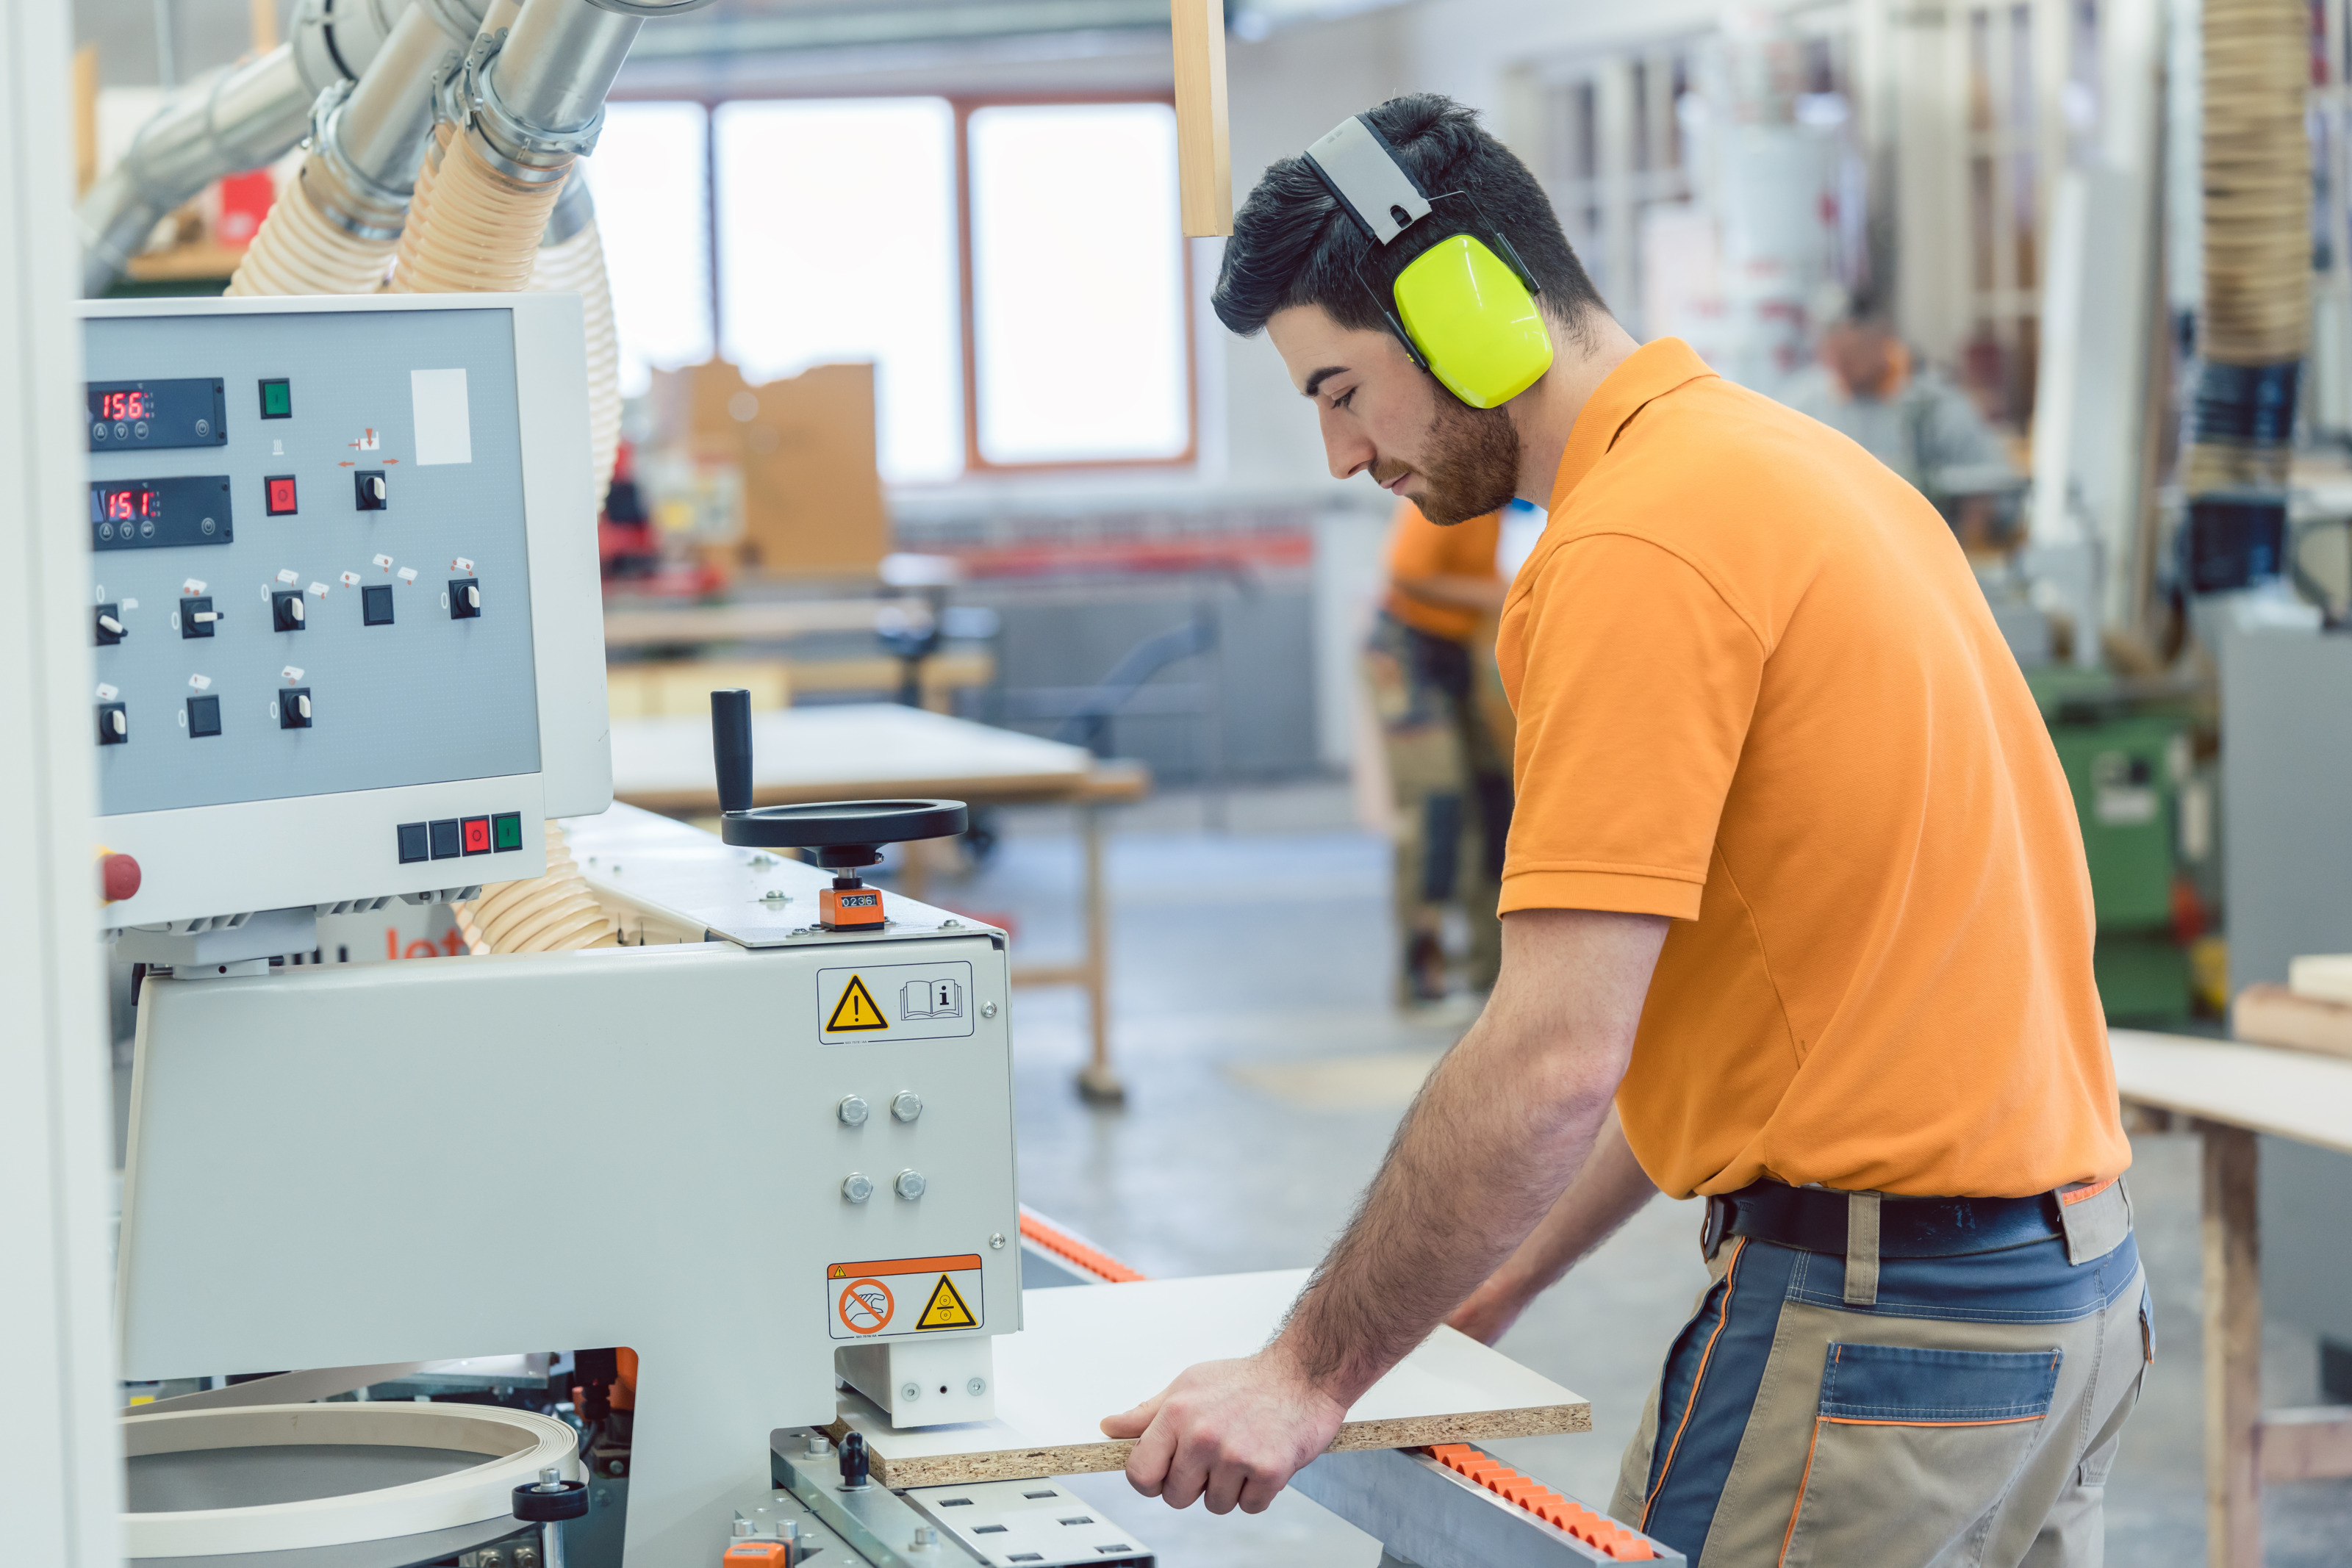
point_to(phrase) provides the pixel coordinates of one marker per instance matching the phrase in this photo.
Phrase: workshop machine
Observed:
(345, 617)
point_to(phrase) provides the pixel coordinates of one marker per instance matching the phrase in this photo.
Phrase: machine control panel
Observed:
(438, 689)
(343, 590)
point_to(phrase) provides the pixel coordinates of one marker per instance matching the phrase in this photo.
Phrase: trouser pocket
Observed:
(1913, 1450)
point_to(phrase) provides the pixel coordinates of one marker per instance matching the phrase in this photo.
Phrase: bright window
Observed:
(1077, 275)
(838, 243)
(652, 217)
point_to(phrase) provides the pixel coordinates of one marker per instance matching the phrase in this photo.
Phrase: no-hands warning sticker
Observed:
(878, 1299)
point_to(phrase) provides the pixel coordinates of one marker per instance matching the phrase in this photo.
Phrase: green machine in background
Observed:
(2127, 747)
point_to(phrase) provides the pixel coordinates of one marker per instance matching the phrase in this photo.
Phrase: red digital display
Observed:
(123, 405)
(124, 503)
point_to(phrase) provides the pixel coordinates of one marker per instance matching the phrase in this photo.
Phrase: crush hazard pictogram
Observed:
(857, 1010)
(946, 1309)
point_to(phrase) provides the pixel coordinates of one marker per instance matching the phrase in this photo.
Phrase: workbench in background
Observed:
(2232, 1093)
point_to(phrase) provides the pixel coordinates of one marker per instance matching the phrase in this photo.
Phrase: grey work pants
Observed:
(1964, 1417)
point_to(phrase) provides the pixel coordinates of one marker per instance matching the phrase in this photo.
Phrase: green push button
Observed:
(277, 399)
(506, 831)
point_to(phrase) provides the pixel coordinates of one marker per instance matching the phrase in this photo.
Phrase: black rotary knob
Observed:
(550, 1500)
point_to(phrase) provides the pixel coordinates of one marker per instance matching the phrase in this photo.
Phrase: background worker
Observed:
(1446, 736)
(1866, 383)
(1795, 915)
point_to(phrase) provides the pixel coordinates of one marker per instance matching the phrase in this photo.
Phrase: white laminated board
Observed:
(2288, 1094)
(1091, 1351)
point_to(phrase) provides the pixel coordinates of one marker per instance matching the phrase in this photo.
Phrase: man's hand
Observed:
(1233, 1432)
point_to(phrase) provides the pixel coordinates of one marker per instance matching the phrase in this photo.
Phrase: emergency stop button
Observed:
(118, 877)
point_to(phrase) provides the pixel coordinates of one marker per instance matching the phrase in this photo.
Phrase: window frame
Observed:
(974, 462)
(961, 106)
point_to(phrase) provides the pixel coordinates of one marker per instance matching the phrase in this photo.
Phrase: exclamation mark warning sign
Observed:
(887, 1004)
(856, 1011)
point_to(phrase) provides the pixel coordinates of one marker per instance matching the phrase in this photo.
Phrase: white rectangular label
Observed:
(894, 1001)
(445, 433)
(889, 1298)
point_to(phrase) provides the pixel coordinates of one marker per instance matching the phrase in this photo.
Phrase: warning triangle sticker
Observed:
(946, 1308)
(857, 1010)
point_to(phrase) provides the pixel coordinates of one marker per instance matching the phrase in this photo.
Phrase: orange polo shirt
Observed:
(1419, 548)
(1759, 691)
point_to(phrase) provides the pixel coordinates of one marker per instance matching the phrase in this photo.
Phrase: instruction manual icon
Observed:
(932, 1000)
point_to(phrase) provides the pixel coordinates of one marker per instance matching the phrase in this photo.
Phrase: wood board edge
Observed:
(1111, 1453)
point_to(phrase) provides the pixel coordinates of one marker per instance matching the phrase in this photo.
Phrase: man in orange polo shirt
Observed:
(1431, 667)
(1795, 917)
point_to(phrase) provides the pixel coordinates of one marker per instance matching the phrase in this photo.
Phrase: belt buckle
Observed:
(1711, 1228)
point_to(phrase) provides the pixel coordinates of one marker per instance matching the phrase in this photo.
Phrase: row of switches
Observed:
(289, 612)
(204, 719)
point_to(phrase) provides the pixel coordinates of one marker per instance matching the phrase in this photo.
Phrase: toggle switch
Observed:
(109, 625)
(197, 617)
(114, 723)
(369, 491)
(287, 611)
(465, 599)
(294, 709)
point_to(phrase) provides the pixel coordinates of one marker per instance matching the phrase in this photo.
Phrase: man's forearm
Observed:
(1609, 1190)
(1497, 1133)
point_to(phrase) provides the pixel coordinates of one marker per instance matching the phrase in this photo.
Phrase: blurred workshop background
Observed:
(852, 475)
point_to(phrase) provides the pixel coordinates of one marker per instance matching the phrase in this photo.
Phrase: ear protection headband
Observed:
(1465, 308)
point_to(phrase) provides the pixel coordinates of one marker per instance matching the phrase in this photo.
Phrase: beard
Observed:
(1473, 467)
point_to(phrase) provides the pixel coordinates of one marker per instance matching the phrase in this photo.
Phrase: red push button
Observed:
(477, 835)
(119, 876)
(282, 495)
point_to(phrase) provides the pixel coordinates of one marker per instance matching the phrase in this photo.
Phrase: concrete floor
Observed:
(1265, 1071)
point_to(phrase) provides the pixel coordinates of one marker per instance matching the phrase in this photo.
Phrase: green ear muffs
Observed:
(1475, 322)
(1465, 313)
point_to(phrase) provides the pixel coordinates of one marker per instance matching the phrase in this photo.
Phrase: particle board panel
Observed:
(1085, 1353)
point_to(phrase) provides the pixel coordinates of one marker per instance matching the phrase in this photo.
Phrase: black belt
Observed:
(1814, 1221)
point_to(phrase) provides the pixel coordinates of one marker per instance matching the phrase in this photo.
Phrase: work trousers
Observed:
(1964, 1417)
(1446, 739)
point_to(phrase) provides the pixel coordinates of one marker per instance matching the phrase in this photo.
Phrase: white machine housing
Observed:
(638, 1146)
(259, 818)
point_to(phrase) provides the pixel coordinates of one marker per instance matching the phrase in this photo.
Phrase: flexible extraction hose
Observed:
(550, 914)
(333, 231)
(239, 119)
(482, 234)
(572, 261)
(300, 250)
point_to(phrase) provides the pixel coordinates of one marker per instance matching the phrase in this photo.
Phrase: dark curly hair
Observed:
(1293, 244)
